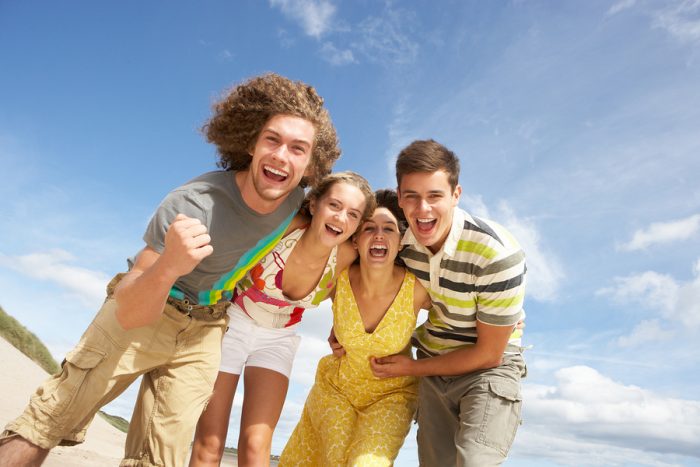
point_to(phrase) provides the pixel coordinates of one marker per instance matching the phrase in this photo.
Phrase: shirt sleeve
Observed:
(500, 286)
(176, 202)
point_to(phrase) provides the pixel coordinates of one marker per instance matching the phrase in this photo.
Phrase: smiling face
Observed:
(337, 214)
(428, 201)
(377, 241)
(281, 156)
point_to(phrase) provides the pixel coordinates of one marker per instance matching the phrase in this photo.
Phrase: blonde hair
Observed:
(349, 177)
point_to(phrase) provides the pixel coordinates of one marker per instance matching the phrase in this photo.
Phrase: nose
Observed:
(423, 205)
(281, 152)
(341, 216)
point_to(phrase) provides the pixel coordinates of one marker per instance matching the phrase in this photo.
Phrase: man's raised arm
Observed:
(143, 291)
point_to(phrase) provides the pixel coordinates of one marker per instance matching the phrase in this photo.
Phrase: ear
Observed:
(354, 241)
(398, 195)
(312, 206)
(456, 194)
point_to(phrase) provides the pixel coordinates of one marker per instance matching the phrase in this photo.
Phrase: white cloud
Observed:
(225, 56)
(621, 6)
(648, 289)
(335, 56)
(387, 39)
(588, 406)
(314, 16)
(86, 285)
(664, 232)
(645, 331)
(687, 309)
(676, 301)
(681, 20)
(544, 272)
(474, 204)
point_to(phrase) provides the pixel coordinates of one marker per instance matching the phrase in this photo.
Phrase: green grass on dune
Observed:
(26, 342)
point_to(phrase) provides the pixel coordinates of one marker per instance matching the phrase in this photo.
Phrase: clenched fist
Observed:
(186, 245)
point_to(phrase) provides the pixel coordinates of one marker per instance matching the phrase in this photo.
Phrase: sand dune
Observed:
(104, 444)
(19, 378)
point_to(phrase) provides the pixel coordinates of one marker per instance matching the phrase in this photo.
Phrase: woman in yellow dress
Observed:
(351, 417)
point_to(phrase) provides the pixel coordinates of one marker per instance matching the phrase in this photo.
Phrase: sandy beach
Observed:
(104, 444)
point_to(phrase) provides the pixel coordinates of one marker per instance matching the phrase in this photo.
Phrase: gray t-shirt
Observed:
(240, 236)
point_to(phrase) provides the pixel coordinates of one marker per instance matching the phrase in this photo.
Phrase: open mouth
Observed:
(333, 230)
(425, 225)
(378, 250)
(275, 174)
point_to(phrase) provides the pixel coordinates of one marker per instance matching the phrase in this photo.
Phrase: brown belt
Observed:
(203, 312)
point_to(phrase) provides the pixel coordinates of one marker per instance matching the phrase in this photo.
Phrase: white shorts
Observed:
(246, 343)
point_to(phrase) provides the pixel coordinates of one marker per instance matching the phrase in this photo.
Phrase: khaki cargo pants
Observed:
(178, 357)
(470, 420)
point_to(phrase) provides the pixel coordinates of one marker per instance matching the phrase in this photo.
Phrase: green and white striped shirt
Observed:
(478, 274)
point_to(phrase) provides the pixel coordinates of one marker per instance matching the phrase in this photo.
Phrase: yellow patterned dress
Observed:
(352, 418)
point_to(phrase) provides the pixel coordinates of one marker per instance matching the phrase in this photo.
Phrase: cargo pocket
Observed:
(59, 392)
(502, 414)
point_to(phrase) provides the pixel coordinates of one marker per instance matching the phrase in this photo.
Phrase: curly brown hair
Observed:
(242, 113)
(348, 177)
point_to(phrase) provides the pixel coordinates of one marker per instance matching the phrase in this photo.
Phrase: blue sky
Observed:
(577, 124)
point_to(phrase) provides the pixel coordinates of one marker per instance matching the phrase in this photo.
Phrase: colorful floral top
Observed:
(259, 294)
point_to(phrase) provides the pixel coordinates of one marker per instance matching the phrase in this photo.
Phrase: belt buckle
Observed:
(186, 305)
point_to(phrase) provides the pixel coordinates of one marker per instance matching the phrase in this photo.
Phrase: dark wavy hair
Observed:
(389, 199)
(427, 156)
(242, 113)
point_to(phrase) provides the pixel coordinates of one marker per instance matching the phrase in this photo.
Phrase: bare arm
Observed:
(142, 292)
(486, 353)
(345, 257)
(421, 298)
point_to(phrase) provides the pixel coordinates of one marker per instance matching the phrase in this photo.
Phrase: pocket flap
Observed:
(506, 389)
(85, 358)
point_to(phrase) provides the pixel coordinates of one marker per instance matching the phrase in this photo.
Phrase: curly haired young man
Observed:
(164, 318)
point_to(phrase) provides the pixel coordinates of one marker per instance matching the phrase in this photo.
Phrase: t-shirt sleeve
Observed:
(501, 288)
(176, 202)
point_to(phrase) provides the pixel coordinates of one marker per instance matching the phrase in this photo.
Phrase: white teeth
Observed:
(424, 220)
(281, 173)
(334, 228)
(379, 247)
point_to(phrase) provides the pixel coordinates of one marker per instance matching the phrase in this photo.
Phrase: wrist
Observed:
(165, 272)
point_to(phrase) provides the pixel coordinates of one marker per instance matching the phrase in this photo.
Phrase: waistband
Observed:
(202, 312)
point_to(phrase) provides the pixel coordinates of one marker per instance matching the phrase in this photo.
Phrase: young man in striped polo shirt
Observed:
(469, 353)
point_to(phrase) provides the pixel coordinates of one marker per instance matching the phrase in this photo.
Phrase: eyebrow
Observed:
(415, 192)
(277, 133)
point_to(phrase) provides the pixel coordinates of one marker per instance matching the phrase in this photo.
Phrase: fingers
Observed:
(336, 347)
(377, 367)
(187, 243)
(202, 252)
